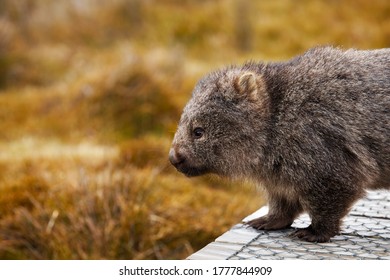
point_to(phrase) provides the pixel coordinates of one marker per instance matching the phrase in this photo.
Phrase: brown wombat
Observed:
(314, 131)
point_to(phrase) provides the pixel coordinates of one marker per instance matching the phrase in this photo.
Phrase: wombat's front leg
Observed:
(281, 214)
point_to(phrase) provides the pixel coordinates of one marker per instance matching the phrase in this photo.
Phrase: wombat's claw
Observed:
(265, 223)
(307, 234)
(258, 223)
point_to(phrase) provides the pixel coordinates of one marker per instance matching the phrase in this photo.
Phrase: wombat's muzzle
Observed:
(176, 158)
(181, 162)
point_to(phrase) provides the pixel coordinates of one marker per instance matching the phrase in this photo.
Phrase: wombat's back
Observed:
(336, 105)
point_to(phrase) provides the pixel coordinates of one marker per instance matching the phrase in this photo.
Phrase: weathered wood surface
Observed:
(365, 234)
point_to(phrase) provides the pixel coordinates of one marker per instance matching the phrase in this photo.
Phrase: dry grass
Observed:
(90, 98)
(79, 204)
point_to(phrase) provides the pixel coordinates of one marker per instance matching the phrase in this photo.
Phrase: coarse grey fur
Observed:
(314, 131)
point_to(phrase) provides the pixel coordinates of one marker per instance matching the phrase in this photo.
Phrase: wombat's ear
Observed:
(247, 85)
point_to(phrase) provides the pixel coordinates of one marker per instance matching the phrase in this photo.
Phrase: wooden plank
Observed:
(216, 251)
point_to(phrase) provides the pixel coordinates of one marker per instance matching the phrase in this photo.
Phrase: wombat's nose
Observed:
(176, 157)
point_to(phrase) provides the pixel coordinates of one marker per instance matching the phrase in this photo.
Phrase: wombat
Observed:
(314, 131)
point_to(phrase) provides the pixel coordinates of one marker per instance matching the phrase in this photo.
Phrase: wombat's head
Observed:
(220, 130)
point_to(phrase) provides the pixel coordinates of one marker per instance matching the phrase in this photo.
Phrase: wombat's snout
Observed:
(176, 158)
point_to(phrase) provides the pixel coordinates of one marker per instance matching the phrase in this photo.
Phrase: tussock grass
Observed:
(109, 210)
(90, 97)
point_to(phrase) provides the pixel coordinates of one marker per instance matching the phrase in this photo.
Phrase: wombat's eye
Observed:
(198, 132)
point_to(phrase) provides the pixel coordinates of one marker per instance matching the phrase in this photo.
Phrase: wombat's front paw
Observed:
(308, 234)
(268, 223)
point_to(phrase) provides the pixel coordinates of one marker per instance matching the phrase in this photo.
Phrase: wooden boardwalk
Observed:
(365, 234)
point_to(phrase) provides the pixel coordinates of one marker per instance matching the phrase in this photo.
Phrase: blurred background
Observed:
(90, 95)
